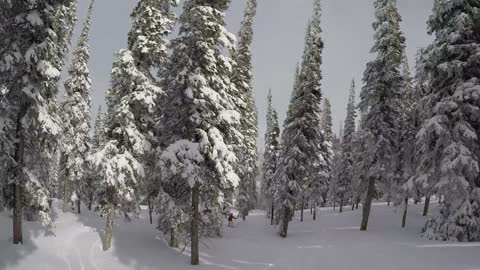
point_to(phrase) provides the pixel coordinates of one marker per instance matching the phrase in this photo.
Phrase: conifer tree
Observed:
(345, 181)
(199, 121)
(242, 79)
(448, 152)
(302, 156)
(76, 118)
(33, 41)
(379, 99)
(272, 149)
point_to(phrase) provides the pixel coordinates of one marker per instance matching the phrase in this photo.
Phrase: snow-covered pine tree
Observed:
(98, 137)
(76, 119)
(242, 79)
(379, 98)
(448, 140)
(199, 121)
(33, 41)
(345, 181)
(272, 150)
(319, 186)
(302, 156)
(336, 167)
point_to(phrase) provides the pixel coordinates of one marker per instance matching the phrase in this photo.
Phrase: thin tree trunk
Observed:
(79, 203)
(368, 204)
(315, 212)
(333, 203)
(341, 203)
(404, 218)
(285, 220)
(173, 241)
(272, 214)
(107, 243)
(353, 203)
(301, 211)
(195, 259)
(18, 190)
(17, 216)
(311, 210)
(439, 198)
(426, 206)
(358, 202)
(150, 210)
(65, 191)
(388, 201)
(90, 201)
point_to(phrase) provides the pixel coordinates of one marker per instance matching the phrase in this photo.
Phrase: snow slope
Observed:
(333, 242)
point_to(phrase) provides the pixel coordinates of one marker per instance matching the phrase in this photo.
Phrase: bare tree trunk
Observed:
(333, 203)
(272, 214)
(426, 206)
(107, 243)
(17, 215)
(353, 203)
(173, 240)
(404, 218)
(195, 259)
(285, 220)
(301, 211)
(368, 204)
(150, 210)
(79, 203)
(315, 212)
(341, 203)
(65, 191)
(358, 202)
(18, 190)
(90, 202)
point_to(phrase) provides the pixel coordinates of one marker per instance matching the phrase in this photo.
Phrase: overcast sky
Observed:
(278, 44)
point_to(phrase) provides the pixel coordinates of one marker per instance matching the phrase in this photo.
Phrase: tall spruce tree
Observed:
(200, 120)
(272, 150)
(242, 79)
(302, 156)
(448, 149)
(33, 41)
(345, 181)
(379, 99)
(76, 118)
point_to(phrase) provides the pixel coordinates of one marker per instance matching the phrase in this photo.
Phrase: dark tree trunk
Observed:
(301, 211)
(404, 218)
(368, 203)
(150, 210)
(17, 215)
(439, 198)
(173, 240)
(353, 203)
(315, 212)
(426, 206)
(79, 203)
(195, 259)
(18, 190)
(272, 214)
(285, 220)
(388, 201)
(341, 203)
(358, 202)
(334, 203)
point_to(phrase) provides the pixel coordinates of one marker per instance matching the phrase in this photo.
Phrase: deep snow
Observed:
(333, 242)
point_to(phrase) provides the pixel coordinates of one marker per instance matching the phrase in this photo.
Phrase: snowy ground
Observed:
(333, 242)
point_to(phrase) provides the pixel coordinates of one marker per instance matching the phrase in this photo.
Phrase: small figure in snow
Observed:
(231, 217)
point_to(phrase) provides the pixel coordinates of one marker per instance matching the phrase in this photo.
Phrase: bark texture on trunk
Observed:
(150, 210)
(341, 203)
(107, 242)
(368, 204)
(272, 214)
(404, 218)
(285, 220)
(195, 259)
(426, 206)
(301, 211)
(17, 215)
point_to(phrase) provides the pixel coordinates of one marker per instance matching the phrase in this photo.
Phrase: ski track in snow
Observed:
(455, 245)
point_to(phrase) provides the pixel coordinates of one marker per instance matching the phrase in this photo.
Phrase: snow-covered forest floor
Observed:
(333, 242)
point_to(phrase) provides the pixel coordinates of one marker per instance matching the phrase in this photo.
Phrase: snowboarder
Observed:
(231, 217)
